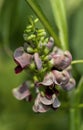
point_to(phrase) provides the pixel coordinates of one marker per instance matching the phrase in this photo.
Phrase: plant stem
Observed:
(74, 119)
(74, 110)
(44, 20)
(77, 62)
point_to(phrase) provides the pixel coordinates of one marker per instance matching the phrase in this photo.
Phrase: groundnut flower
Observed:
(22, 59)
(62, 77)
(22, 92)
(43, 104)
(48, 68)
(70, 85)
(60, 61)
(55, 77)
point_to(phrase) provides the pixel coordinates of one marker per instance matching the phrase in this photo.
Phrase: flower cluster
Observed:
(47, 66)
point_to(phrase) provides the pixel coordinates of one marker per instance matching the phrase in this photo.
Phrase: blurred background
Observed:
(14, 16)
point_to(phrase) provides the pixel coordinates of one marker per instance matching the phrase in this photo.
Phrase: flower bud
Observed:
(38, 61)
(61, 61)
(70, 85)
(56, 103)
(50, 43)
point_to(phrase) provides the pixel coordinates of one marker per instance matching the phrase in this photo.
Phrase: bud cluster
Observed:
(47, 66)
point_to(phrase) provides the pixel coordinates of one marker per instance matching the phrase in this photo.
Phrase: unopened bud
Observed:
(61, 62)
(70, 85)
(38, 61)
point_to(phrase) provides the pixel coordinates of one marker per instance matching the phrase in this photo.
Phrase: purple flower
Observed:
(38, 106)
(43, 104)
(62, 77)
(60, 61)
(22, 59)
(70, 85)
(55, 77)
(22, 92)
(49, 80)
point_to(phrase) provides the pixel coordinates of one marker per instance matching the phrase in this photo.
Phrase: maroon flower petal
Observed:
(49, 92)
(21, 92)
(18, 69)
(38, 61)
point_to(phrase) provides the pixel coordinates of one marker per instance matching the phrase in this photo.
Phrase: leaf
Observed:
(78, 91)
(76, 37)
(73, 5)
(60, 19)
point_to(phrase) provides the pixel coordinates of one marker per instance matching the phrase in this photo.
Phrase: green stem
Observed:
(74, 110)
(44, 20)
(72, 119)
(77, 62)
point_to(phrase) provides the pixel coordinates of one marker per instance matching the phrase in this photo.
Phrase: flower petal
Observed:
(44, 100)
(70, 85)
(41, 108)
(61, 77)
(61, 61)
(18, 69)
(38, 106)
(22, 58)
(21, 92)
(38, 61)
(56, 103)
(49, 80)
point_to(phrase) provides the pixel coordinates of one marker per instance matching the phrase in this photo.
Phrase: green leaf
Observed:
(36, 8)
(73, 5)
(76, 37)
(60, 19)
(78, 92)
